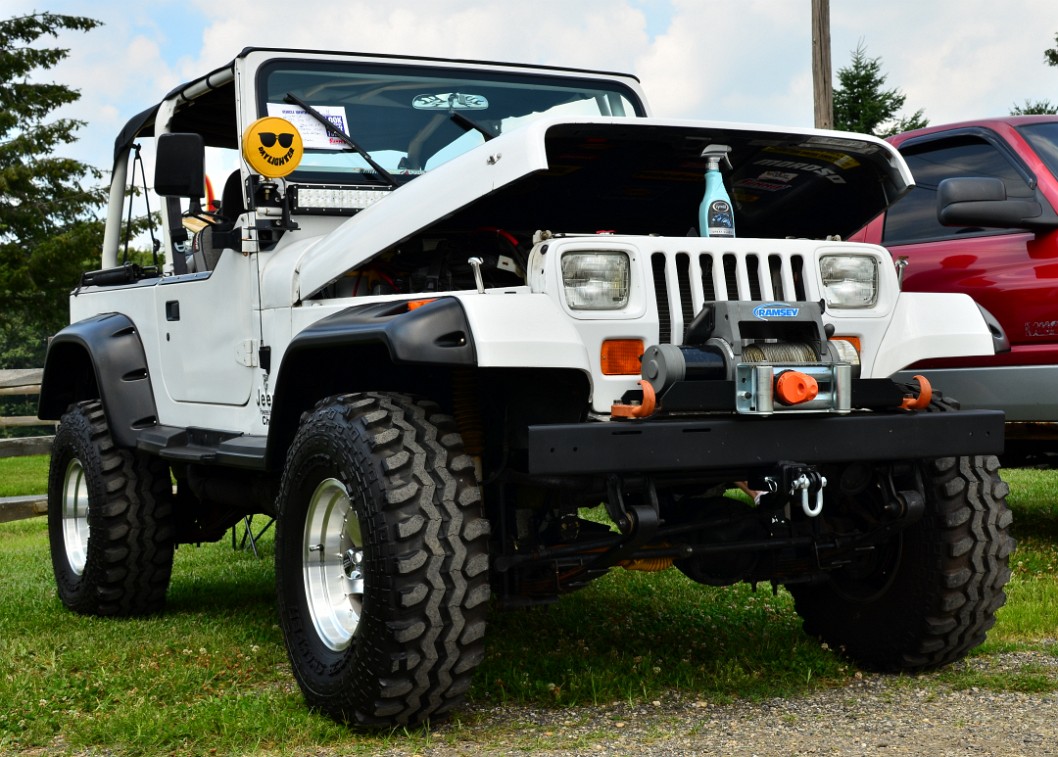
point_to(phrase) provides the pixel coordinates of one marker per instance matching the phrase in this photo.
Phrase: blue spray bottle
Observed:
(716, 217)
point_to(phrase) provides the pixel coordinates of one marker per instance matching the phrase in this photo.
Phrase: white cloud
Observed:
(595, 33)
(731, 61)
(955, 59)
(747, 60)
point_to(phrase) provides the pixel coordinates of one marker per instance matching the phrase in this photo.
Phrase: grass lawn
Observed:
(210, 675)
(23, 475)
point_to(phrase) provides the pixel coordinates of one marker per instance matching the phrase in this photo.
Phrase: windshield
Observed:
(1044, 140)
(410, 120)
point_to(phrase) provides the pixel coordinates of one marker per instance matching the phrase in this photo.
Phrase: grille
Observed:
(685, 281)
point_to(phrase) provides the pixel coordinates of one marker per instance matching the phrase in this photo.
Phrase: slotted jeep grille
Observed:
(684, 281)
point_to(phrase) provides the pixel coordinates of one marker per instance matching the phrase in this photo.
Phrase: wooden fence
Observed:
(25, 383)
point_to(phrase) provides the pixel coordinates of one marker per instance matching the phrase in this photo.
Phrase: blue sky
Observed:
(730, 60)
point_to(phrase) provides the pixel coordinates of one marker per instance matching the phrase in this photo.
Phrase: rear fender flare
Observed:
(102, 358)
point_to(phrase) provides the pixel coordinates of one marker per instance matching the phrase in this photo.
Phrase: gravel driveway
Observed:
(873, 715)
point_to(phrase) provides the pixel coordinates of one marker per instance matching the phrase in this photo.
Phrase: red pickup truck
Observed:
(983, 220)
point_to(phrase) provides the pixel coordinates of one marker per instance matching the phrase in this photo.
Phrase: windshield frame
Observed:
(413, 78)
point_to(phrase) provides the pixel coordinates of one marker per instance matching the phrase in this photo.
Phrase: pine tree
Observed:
(862, 105)
(1040, 107)
(49, 227)
(1034, 108)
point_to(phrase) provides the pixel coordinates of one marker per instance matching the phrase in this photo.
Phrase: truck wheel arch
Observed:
(102, 358)
(367, 347)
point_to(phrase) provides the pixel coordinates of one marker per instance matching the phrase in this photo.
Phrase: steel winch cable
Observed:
(779, 352)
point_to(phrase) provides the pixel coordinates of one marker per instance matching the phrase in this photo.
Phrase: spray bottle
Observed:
(716, 217)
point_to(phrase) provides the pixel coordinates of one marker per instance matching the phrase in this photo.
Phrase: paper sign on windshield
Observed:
(313, 135)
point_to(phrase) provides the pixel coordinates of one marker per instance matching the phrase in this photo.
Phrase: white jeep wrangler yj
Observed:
(443, 307)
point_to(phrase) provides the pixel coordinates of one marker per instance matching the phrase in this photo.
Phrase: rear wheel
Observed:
(381, 560)
(110, 519)
(931, 593)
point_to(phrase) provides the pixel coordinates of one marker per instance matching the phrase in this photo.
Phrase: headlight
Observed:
(850, 281)
(596, 280)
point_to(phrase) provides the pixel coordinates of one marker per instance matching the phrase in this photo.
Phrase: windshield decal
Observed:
(313, 134)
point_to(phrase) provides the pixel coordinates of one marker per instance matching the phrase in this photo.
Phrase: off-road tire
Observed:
(110, 519)
(381, 480)
(943, 581)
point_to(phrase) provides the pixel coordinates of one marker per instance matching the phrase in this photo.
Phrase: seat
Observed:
(221, 233)
(232, 203)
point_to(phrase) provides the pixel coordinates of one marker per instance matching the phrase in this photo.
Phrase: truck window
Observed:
(411, 120)
(1044, 140)
(914, 217)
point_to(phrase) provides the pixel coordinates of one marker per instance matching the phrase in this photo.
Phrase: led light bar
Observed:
(334, 200)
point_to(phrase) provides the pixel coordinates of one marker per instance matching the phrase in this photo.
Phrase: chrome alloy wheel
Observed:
(333, 564)
(75, 516)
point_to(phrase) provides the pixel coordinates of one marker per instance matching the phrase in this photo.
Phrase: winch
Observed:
(767, 357)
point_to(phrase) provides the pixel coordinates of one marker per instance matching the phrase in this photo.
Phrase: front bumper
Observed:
(1023, 392)
(673, 446)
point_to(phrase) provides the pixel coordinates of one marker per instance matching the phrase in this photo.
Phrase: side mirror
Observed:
(983, 201)
(180, 166)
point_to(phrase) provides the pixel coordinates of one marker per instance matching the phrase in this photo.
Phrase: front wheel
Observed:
(930, 594)
(110, 519)
(381, 560)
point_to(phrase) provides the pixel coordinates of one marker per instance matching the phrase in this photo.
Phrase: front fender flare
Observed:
(436, 333)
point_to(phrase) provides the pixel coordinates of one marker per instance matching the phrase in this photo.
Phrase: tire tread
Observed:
(131, 531)
(956, 593)
(436, 542)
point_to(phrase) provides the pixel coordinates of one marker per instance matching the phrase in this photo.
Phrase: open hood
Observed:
(629, 176)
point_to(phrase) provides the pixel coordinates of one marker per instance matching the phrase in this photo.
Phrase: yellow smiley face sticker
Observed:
(272, 146)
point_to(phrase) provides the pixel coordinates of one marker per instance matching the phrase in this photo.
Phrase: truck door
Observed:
(1013, 273)
(208, 332)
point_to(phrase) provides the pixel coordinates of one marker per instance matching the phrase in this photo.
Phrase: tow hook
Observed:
(925, 396)
(799, 479)
(810, 483)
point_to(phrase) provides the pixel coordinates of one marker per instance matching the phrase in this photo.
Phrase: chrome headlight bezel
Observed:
(595, 279)
(850, 281)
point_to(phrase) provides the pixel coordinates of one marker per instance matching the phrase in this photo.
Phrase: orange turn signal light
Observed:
(416, 304)
(621, 357)
(794, 388)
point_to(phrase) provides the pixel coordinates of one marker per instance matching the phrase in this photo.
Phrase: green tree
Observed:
(1034, 107)
(861, 103)
(49, 225)
(1040, 107)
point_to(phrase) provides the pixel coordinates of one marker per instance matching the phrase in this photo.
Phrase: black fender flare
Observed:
(433, 333)
(101, 357)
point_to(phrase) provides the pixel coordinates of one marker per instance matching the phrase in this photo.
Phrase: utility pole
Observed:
(822, 90)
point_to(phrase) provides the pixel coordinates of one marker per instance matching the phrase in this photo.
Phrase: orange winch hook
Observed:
(925, 396)
(642, 410)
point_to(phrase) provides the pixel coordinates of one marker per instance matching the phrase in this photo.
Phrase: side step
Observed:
(196, 445)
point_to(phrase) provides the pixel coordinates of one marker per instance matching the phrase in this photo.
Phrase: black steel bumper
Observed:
(671, 446)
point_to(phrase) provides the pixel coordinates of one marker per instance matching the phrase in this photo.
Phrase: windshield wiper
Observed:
(467, 125)
(332, 129)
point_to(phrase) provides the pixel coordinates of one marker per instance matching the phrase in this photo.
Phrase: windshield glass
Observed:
(411, 120)
(1044, 140)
